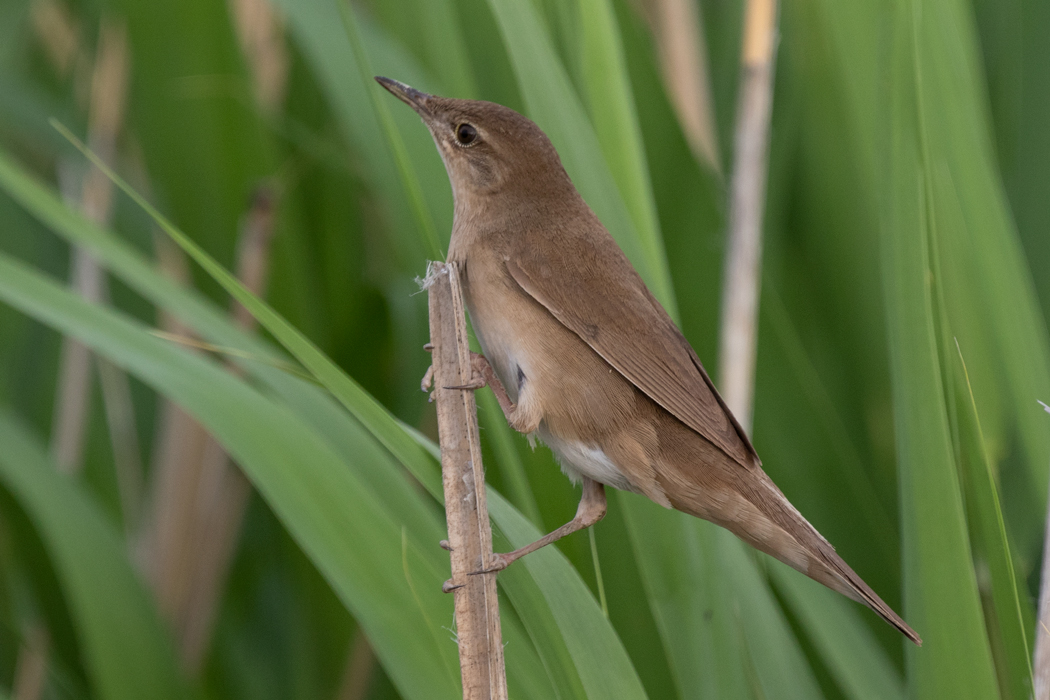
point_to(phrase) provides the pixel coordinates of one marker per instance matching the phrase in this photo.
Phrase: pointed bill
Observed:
(415, 99)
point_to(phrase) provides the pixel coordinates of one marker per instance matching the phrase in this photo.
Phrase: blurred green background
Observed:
(902, 346)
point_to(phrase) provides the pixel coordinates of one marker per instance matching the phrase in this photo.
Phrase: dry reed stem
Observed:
(58, 33)
(109, 85)
(260, 32)
(678, 26)
(743, 275)
(199, 497)
(469, 531)
(108, 88)
(224, 490)
(73, 391)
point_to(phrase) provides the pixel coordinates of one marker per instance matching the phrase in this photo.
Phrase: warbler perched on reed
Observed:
(580, 353)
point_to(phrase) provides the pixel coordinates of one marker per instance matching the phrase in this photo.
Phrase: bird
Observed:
(580, 354)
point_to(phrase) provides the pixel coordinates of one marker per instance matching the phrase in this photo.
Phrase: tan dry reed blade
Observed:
(109, 80)
(679, 29)
(260, 32)
(199, 497)
(469, 530)
(224, 489)
(59, 33)
(743, 270)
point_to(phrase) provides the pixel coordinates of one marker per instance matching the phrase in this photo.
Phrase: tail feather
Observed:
(824, 564)
(756, 511)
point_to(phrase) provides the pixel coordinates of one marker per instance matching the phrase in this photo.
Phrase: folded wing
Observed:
(596, 293)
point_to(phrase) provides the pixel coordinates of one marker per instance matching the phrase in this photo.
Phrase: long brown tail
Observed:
(757, 512)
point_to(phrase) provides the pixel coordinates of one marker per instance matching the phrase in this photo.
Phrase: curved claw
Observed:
(496, 564)
(476, 384)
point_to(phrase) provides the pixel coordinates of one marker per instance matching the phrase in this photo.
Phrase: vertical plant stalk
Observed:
(260, 32)
(679, 30)
(109, 79)
(106, 111)
(200, 497)
(1041, 657)
(743, 270)
(469, 531)
(223, 490)
(58, 32)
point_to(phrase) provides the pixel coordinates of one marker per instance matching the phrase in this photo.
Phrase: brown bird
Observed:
(584, 357)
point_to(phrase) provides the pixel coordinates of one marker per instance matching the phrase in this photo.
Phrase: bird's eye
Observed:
(466, 134)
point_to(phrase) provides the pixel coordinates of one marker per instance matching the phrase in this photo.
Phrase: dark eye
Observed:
(466, 134)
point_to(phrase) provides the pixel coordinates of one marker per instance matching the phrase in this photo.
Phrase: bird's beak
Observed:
(409, 95)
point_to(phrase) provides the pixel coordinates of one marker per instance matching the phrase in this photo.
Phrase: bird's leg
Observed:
(523, 416)
(480, 363)
(591, 510)
(484, 375)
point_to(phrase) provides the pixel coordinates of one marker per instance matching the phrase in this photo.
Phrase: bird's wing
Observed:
(596, 293)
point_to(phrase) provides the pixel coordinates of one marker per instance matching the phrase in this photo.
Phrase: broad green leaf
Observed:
(771, 648)
(1018, 87)
(127, 652)
(691, 597)
(998, 290)
(345, 436)
(364, 407)
(810, 394)
(1009, 622)
(964, 177)
(959, 140)
(856, 661)
(941, 600)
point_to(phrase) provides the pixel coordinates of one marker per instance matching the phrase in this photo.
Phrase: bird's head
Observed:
(488, 149)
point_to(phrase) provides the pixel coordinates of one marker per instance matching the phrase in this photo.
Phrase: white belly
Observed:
(580, 459)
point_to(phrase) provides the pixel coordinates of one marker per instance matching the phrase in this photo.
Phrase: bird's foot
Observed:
(497, 562)
(480, 373)
(428, 378)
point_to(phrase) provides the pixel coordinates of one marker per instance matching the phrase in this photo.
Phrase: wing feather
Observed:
(596, 293)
